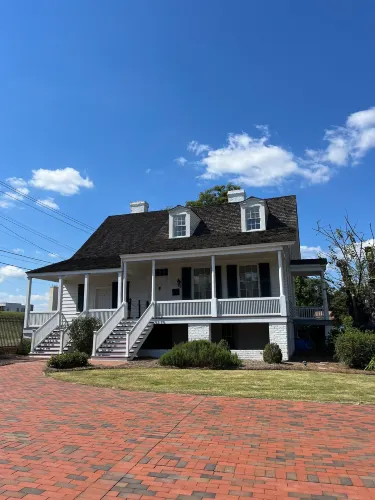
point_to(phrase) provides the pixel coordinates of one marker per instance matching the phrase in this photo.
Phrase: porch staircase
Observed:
(50, 345)
(117, 332)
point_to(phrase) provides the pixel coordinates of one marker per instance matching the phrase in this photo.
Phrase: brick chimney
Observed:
(236, 195)
(137, 207)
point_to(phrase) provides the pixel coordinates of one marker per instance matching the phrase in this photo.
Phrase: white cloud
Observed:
(310, 252)
(181, 160)
(257, 162)
(7, 199)
(53, 255)
(196, 148)
(18, 250)
(49, 202)
(148, 170)
(17, 182)
(11, 272)
(66, 181)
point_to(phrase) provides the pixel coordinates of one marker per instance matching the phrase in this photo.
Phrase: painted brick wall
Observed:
(249, 355)
(199, 331)
(279, 335)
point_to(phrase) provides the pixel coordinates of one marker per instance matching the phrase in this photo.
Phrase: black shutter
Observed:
(186, 283)
(114, 294)
(232, 281)
(81, 293)
(219, 288)
(265, 280)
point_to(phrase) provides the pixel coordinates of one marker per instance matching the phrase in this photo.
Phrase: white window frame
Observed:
(248, 211)
(175, 226)
(238, 280)
(261, 206)
(192, 281)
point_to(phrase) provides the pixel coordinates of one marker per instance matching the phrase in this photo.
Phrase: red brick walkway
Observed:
(59, 440)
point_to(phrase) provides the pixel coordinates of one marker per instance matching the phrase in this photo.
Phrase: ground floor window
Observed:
(249, 281)
(202, 283)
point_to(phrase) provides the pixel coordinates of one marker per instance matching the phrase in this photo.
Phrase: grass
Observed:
(287, 385)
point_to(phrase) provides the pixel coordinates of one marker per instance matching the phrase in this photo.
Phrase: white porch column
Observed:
(124, 282)
(27, 305)
(59, 309)
(153, 282)
(86, 293)
(119, 289)
(213, 288)
(281, 282)
(324, 296)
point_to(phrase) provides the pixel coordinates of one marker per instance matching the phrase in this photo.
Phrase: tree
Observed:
(351, 257)
(308, 291)
(213, 196)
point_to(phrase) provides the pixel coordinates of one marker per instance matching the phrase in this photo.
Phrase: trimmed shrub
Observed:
(272, 354)
(24, 347)
(355, 349)
(82, 332)
(68, 360)
(200, 354)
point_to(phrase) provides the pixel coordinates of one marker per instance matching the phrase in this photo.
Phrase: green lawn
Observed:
(267, 384)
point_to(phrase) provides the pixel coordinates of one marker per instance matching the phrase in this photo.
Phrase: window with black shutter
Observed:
(232, 281)
(186, 283)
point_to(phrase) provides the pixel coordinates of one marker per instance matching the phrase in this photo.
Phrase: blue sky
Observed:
(103, 103)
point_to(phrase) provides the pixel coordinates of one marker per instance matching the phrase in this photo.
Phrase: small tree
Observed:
(82, 332)
(351, 257)
(213, 196)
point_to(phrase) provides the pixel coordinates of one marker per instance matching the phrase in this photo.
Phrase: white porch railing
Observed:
(177, 308)
(255, 306)
(114, 319)
(139, 327)
(309, 312)
(41, 333)
(103, 315)
(39, 318)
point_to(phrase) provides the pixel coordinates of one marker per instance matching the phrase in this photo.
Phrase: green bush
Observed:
(200, 354)
(272, 354)
(82, 332)
(68, 360)
(354, 347)
(24, 347)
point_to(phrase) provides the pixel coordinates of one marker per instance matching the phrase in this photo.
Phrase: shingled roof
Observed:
(148, 232)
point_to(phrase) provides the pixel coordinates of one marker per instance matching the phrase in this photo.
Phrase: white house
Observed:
(156, 278)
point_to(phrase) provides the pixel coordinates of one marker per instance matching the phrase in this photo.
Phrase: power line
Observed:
(62, 214)
(12, 265)
(28, 241)
(25, 256)
(12, 221)
(45, 213)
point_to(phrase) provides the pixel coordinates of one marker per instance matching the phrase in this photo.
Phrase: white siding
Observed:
(70, 298)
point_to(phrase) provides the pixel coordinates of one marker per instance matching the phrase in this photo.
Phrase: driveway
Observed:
(59, 440)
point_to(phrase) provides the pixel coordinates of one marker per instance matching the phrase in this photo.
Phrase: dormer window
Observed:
(179, 225)
(182, 222)
(252, 218)
(254, 214)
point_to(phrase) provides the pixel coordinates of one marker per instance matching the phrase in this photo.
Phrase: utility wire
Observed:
(25, 256)
(45, 213)
(62, 214)
(19, 267)
(13, 221)
(28, 241)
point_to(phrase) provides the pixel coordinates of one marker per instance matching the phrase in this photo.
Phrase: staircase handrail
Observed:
(43, 331)
(106, 329)
(139, 326)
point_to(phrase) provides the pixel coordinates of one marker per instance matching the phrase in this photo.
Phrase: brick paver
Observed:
(66, 441)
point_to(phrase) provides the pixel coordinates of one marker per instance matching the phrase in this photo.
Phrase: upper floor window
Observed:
(202, 283)
(249, 281)
(252, 218)
(179, 225)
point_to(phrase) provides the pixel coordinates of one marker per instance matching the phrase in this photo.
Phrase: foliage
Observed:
(213, 196)
(82, 332)
(308, 291)
(354, 347)
(371, 365)
(11, 328)
(200, 354)
(351, 257)
(68, 360)
(24, 347)
(272, 354)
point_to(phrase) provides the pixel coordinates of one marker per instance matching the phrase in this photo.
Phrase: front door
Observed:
(103, 299)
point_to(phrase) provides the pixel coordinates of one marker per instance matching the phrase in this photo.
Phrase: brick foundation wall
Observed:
(199, 331)
(279, 335)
